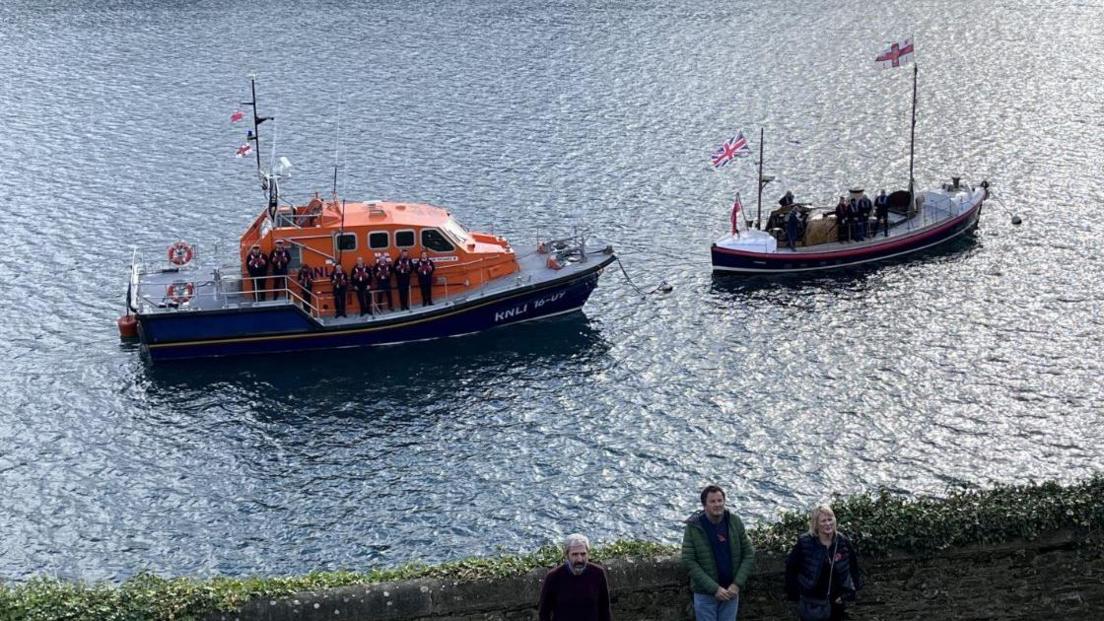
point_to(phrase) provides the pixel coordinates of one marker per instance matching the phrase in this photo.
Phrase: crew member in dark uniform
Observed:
(339, 281)
(404, 267)
(787, 199)
(257, 266)
(881, 213)
(853, 217)
(865, 207)
(305, 277)
(383, 278)
(425, 270)
(792, 222)
(279, 259)
(841, 220)
(362, 282)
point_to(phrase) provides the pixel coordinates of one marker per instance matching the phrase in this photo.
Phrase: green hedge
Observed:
(878, 524)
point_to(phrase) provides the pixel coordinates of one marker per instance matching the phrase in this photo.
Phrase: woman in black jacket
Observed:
(822, 570)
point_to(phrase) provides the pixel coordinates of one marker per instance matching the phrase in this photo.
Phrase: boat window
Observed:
(404, 239)
(378, 240)
(432, 239)
(346, 241)
(457, 232)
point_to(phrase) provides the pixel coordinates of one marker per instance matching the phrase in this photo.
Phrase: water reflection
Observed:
(354, 374)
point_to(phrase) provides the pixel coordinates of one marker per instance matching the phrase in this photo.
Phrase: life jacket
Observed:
(305, 277)
(256, 262)
(403, 267)
(361, 276)
(280, 258)
(425, 267)
(340, 280)
(383, 270)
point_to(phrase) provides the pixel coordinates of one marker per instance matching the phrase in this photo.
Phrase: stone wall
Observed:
(1059, 576)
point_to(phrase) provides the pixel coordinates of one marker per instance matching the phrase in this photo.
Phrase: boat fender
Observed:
(180, 292)
(553, 263)
(181, 253)
(128, 326)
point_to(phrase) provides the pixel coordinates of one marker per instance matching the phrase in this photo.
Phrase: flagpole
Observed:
(759, 200)
(912, 136)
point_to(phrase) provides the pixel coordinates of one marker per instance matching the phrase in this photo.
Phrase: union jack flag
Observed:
(736, 146)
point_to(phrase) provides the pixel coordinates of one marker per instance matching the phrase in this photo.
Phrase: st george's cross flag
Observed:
(244, 150)
(736, 207)
(897, 54)
(736, 146)
(236, 116)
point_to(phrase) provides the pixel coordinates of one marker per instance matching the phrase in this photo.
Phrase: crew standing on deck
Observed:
(853, 219)
(425, 270)
(339, 281)
(792, 223)
(257, 266)
(362, 282)
(865, 207)
(841, 220)
(305, 277)
(383, 278)
(404, 267)
(881, 213)
(280, 258)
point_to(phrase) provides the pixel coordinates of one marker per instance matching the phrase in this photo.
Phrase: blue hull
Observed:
(245, 331)
(726, 260)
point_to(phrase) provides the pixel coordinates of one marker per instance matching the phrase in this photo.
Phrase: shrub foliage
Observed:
(879, 524)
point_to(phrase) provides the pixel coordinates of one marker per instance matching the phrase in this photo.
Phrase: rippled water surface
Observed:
(976, 364)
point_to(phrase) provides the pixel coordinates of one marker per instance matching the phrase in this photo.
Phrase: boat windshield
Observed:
(456, 231)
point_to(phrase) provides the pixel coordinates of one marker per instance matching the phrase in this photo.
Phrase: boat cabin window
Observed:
(432, 239)
(345, 241)
(457, 232)
(378, 240)
(404, 239)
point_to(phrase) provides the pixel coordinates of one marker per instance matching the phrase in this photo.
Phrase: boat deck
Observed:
(937, 207)
(221, 289)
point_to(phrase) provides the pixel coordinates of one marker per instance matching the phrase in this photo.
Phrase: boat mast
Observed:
(912, 136)
(759, 200)
(255, 135)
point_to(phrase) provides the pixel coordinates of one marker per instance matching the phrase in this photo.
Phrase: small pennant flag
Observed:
(897, 54)
(736, 146)
(736, 207)
(236, 116)
(244, 150)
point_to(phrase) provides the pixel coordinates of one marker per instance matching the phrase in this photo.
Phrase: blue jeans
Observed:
(709, 608)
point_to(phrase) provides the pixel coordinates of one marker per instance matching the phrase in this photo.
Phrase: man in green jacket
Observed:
(718, 554)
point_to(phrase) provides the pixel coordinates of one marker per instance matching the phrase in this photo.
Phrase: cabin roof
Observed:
(376, 213)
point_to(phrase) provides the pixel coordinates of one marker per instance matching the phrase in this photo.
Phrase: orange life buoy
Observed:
(180, 253)
(180, 292)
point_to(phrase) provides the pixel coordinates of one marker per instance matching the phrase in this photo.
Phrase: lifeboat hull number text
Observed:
(522, 310)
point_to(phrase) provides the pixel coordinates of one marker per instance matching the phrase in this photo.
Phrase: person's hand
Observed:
(839, 600)
(722, 594)
(734, 590)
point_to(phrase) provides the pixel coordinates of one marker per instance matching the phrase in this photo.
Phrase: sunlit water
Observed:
(973, 365)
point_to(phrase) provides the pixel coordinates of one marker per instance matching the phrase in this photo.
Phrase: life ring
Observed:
(180, 292)
(180, 253)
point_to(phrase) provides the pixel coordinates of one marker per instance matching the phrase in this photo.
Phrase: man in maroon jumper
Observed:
(576, 590)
